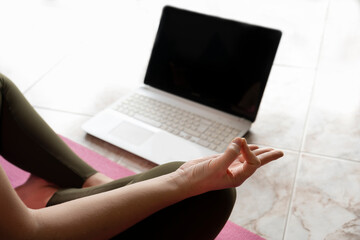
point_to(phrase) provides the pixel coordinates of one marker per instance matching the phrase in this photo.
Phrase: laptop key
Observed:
(147, 120)
(204, 143)
(192, 132)
(184, 135)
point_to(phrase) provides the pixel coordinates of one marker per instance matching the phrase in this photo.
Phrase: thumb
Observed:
(230, 154)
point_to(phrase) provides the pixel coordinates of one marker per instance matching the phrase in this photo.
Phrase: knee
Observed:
(7, 87)
(4, 81)
(204, 216)
(223, 201)
(216, 206)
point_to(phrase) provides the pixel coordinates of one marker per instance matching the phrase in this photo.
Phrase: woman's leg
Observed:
(199, 217)
(29, 143)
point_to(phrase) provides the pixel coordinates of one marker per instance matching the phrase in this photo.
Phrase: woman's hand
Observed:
(229, 169)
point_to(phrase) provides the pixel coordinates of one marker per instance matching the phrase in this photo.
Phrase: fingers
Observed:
(269, 156)
(252, 157)
(248, 169)
(266, 155)
(230, 154)
(253, 147)
(248, 155)
(262, 150)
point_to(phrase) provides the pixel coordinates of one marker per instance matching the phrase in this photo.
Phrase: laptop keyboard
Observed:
(205, 132)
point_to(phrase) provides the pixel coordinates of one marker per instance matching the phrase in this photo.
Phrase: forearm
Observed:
(104, 215)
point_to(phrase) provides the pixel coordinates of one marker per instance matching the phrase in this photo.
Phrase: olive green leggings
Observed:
(29, 143)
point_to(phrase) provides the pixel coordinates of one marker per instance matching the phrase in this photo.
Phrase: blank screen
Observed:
(221, 63)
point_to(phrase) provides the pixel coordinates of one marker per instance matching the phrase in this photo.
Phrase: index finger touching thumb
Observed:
(231, 153)
(249, 156)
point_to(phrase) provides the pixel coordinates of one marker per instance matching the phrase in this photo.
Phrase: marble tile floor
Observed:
(73, 58)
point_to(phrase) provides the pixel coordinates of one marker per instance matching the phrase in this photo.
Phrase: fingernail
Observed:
(237, 141)
(234, 146)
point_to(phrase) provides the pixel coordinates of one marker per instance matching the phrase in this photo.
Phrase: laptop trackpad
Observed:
(131, 133)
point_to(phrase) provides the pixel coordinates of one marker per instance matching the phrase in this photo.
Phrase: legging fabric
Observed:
(29, 143)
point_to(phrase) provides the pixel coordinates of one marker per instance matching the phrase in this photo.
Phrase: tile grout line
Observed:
(62, 58)
(63, 111)
(330, 157)
(44, 74)
(293, 66)
(311, 154)
(292, 195)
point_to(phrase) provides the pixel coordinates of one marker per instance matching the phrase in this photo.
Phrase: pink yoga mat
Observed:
(17, 177)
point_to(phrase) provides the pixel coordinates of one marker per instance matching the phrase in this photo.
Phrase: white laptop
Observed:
(203, 87)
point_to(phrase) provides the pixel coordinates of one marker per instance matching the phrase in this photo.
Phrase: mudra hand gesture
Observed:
(229, 169)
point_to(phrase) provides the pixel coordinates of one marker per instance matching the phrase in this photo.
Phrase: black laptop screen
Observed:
(221, 63)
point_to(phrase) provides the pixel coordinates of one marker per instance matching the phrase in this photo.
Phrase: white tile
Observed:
(333, 124)
(341, 46)
(34, 37)
(326, 200)
(282, 114)
(86, 82)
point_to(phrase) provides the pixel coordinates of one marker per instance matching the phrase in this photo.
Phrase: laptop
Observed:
(202, 88)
